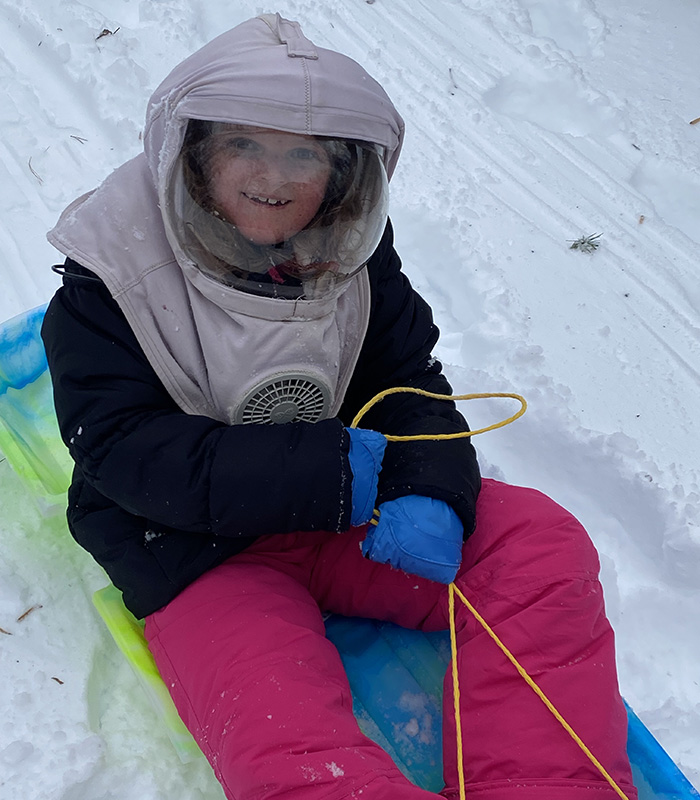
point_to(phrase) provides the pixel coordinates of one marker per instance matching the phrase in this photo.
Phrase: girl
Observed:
(231, 299)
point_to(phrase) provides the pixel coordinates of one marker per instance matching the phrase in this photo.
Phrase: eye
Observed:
(305, 154)
(241, 144)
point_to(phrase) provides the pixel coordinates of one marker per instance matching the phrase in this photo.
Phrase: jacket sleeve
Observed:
(398, 352)
(137, 448)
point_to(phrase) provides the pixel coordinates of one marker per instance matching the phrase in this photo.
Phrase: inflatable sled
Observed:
(396, 675)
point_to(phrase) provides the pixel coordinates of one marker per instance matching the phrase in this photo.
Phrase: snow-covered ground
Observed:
(530, 123)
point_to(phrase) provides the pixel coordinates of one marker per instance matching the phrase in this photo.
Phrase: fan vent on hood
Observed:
(285, 398)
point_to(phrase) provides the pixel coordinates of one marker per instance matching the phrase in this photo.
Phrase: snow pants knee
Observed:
(265, 695)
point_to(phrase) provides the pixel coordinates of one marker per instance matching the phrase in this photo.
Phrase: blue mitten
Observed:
(419, 535)
(365, 455)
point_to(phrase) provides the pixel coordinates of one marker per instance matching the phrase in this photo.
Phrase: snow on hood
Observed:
(266, 73)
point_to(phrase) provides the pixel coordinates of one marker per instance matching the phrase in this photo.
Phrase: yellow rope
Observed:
(454, 590)
(526, 677)
(439, 436)
(456, 693)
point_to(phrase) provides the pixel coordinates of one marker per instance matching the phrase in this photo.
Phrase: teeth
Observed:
(268, 200)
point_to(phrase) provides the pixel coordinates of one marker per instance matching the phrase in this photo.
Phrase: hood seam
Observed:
(307, 94)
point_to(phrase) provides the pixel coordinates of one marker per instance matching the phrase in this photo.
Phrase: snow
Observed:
(530, 123)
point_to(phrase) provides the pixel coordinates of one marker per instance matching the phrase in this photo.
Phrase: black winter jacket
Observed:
(159, 496)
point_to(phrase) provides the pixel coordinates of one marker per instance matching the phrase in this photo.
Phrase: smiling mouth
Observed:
(265, 201)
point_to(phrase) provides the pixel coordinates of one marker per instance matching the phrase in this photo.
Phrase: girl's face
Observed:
(269, 184)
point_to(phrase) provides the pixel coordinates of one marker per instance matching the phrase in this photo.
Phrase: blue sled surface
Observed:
(396, 678)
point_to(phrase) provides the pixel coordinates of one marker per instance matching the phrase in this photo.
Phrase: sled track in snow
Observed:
(452, 90)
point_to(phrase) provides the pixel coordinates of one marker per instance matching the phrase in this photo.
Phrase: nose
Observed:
(273, 170)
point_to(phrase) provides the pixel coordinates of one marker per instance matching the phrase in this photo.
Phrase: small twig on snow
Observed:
(78, 138)
(106, 32)
(33, 171)
(28, 612)
(695, 121)
(586, 244)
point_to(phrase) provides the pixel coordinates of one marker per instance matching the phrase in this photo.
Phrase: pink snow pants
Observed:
(265, 695)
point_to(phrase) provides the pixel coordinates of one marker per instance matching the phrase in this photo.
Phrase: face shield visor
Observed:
(273, 213)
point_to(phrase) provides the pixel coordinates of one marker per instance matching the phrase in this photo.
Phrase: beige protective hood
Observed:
(215, 347)
(266, 72)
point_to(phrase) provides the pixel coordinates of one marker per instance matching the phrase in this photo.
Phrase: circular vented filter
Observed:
(285, 398)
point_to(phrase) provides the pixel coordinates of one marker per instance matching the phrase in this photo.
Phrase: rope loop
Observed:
(451, 397)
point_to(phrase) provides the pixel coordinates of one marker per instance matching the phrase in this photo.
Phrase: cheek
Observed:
(310, 196)
(226, 182)
(314, 191)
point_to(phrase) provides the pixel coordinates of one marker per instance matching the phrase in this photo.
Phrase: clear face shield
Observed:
(275, 214)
